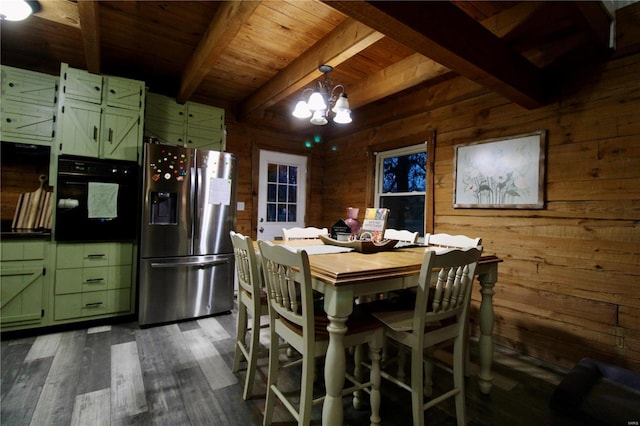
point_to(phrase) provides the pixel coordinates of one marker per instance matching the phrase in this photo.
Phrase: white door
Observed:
(281, 194)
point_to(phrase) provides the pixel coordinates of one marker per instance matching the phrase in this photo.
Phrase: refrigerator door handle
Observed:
(194, 202)
(187, 263)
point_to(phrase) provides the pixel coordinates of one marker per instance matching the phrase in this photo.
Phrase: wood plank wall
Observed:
(568, 287)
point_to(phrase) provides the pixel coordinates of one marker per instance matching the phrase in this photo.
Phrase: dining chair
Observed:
(436, 317)
(307, 233)
(294, 318)
(448, 240)
(401, 235)
(252, 305)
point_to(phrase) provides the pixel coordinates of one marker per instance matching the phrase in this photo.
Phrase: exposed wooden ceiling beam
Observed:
(434, 30)
(88, 12)
(404, 74)
(346, 40)
(62, 12)
(224, 26)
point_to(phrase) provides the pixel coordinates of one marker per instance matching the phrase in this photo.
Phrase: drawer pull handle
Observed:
(96, 256)
(94, 280)
(93, 305)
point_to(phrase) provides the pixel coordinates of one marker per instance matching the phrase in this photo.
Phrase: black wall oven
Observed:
(96, 200)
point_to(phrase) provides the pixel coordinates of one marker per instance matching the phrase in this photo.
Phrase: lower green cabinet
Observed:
(93, 280)
(24, 284)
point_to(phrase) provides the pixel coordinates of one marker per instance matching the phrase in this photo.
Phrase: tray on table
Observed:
(362, 246)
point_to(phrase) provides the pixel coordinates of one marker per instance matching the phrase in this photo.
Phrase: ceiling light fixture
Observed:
(17, 10)
(321, 100)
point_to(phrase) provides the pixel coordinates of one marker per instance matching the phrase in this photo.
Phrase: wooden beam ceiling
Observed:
(346, 40)
(430, 28)
(229, 19)
(89, 16)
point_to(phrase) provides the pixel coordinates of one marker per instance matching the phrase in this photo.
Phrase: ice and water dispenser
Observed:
(164, 208)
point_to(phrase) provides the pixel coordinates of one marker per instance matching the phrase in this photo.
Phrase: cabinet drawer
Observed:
(124, 93)
(28, 122)
(93, 254)
(75, 280)
(80, 305)
(22, 250)
(199, 115)
(81, 85)
(198, 137)
(28, 86)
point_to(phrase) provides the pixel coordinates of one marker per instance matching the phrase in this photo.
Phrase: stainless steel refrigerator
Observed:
(186, 256)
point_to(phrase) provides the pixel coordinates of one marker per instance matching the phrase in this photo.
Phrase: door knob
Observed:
(261, 229)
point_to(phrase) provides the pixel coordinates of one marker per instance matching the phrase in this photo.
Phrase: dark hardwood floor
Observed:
(179, 374)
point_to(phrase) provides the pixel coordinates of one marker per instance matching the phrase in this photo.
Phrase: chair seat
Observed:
(358, 322)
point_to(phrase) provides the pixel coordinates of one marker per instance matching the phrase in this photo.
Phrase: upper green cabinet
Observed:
(190, 125)
(27, 110)
(99, 116)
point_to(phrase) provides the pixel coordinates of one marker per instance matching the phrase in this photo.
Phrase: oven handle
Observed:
(187, 263)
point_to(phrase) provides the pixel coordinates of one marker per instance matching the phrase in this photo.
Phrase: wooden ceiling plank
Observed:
(503, 23)
(227, 22)
(342, 43)
(432, 29)
(596, 20)
(61, 12)
(89, 15)
(404, 74)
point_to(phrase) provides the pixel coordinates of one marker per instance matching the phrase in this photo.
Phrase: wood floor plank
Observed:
(217, 372)
(11, 362)
(23, 393)
(45, 346)
(95, 369)
(58, 394)
(93, 408)
(127, 387)
(212, 327)
(163, 396)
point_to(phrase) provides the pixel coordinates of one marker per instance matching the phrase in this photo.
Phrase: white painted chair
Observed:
(439, 316)
(252, 304)
(293, 318)
(447, 240)
(400, 235)
(308, 233)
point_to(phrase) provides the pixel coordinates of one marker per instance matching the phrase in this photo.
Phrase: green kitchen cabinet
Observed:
(191, 125)
(24, 284)
(99, 116)
(93, 280)
(28, 107)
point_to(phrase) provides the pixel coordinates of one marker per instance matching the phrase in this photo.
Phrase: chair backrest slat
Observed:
(448, 240)
(307, 233)
(248, 271)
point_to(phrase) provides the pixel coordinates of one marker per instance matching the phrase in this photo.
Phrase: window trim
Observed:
(380, 156)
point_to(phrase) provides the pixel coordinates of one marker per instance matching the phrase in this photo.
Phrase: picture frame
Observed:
(501, 173)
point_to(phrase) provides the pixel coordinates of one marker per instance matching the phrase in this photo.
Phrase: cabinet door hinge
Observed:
(62, 109)
(42, 313)
(44, 271)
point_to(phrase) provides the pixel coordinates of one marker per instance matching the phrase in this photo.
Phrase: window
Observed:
(401, 184)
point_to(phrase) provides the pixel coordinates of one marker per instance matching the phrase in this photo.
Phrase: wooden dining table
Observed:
(342, 277)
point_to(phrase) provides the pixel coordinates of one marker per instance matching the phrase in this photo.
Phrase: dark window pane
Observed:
(292, 213)
(293, 175)
(271, 192)
(405, 173)
(271, 212)
(282, 174)
(282, 212)
(272, 172)
(293, 193)
(282, 193)
(405, 212)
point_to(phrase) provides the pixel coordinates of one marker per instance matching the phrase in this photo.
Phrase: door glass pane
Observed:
(293, 175)
(282, 173)
(291, 213)
(293, 193)
(272, 172)
(271, 212)
(271, 192)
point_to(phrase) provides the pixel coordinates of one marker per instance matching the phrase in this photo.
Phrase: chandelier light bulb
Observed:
(316, 101)
(14, 10)
(343, 116)
(318, 118)
(301, 110)
(341, 104)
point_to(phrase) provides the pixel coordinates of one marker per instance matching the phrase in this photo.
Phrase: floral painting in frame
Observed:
(504, 173)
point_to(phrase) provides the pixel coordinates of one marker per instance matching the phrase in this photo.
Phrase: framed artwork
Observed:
(502, 173)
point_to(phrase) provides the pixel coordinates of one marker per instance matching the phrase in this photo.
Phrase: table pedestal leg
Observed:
(487, 282)
(334, 370)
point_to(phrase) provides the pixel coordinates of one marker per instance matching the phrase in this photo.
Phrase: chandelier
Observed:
(320, 102)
